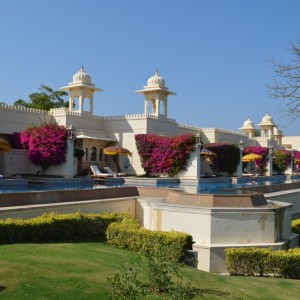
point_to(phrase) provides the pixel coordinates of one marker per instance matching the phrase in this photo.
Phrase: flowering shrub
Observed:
(261, 164)
(297, 159)
(281, 160)
(15, 141)
(164, 155)
(46, 144)
(227, 157)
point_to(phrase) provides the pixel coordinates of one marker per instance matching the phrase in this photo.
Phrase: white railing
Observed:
(189, 127)
(22, 108)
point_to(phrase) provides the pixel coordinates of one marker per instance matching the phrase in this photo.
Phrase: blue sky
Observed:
(212, 53)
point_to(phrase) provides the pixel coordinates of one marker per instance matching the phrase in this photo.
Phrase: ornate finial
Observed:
(82, 68)
(156, 72)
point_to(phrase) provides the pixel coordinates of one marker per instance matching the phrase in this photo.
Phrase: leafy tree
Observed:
(286, 83)
(46, 99)
(227, 157)
(281, 160)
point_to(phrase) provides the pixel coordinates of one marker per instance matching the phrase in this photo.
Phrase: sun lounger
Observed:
(95, 173)
(246, 173)
(109, 171)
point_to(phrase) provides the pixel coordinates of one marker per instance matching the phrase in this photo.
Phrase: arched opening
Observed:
(162, 110)
(75, 103)
(151, 106)
(86, 157)
(101, 157)
(93, 154)
(86, 104)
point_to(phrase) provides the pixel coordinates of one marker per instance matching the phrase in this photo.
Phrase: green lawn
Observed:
(79, 271)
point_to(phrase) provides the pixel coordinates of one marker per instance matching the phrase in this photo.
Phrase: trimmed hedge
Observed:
(128, 234)
(263, 262)
(57, 227)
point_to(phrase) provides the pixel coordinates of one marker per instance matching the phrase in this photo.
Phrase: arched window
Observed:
(93, 154)
(101, 158)
(86, 154)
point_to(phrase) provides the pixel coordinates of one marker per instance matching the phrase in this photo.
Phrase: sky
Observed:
(212, 53)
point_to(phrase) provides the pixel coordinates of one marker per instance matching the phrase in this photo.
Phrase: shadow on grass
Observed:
(193, 292)
(2, 288)
(209, 292)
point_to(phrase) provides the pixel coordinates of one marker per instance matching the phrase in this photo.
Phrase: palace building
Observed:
(94, 133)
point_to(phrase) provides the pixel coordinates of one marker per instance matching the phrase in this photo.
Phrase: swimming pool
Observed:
(203, 187)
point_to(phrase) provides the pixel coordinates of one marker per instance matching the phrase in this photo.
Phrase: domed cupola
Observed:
(81, 91)
(248, 124)
(248, 128)
(267, 127)
(267, 120)
(156, 96)
(82, 77)
(156, 81)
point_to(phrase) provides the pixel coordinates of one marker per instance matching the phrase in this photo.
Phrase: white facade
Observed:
(94, 133)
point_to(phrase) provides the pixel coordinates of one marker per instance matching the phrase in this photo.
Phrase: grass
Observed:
(79, 271)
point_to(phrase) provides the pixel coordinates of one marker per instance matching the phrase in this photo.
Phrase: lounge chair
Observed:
(95, 173)
(109, 171)
(246, 173)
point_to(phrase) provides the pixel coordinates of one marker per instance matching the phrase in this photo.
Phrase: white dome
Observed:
(82, 77)
(156, 80)
(248, 123)
(267, 119)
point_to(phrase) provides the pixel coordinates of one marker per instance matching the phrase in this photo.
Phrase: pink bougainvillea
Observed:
(164, 155)
(261, 164)
(46, 144)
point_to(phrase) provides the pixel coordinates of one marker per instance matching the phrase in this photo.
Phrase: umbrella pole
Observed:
(116, 163)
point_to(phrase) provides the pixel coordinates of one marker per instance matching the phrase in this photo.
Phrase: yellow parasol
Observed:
(206, 152)
(115, 151)
(251, 157)
(4, 146)
(297, 161)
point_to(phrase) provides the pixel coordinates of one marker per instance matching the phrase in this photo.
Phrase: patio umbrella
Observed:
(297, 161)
(251, 157)
(206, 152)
(4, 146)
(115, 151)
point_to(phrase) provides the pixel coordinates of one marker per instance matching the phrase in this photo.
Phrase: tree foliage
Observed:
(46, 99)
(227, 157)
(281, 160)
(286, 83)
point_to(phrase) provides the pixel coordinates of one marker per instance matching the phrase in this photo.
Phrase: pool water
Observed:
(205, 188)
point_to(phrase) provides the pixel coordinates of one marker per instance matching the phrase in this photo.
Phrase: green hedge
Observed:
(129, 235)
(263, 262)
(57, 227)
(296, 226)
